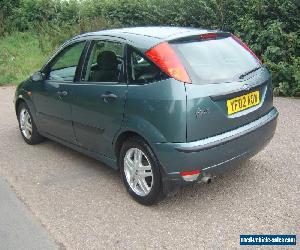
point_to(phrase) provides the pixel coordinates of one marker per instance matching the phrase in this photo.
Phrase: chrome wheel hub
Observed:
(138, 171)
(25, 123)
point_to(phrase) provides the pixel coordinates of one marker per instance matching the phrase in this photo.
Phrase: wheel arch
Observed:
(137, 126)
(121, 138)
(21, 98)
(124, 136)
(18, 102)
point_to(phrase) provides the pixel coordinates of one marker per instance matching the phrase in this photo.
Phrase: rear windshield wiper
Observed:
(248, 72)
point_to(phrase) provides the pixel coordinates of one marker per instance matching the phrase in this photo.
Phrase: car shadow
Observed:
(86, 167)
(224, 187)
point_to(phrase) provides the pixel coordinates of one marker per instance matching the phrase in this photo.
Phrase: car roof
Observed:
(143, 38)
(160, 32)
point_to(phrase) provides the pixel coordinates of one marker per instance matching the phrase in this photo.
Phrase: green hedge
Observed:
(271, 28)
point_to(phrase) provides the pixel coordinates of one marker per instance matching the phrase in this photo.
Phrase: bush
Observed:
(271, 28)
(20, 56)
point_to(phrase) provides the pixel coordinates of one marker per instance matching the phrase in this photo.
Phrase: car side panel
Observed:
(96, 121)
(157, 111)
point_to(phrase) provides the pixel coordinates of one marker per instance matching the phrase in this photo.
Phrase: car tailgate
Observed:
(207, 111)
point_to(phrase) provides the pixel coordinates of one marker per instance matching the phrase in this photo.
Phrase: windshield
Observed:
(215, 61)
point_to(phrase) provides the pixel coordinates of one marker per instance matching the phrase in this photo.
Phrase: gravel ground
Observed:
(83, 204)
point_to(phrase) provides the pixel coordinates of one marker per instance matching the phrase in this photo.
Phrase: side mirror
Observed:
(37, 76)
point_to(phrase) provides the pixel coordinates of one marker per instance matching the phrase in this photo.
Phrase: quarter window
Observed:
(142, 71)
(64, 66)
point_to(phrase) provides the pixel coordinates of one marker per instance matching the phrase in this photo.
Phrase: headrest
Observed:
(107, 60)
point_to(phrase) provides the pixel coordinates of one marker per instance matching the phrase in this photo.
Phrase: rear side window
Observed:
(214, 61)
(141, 70)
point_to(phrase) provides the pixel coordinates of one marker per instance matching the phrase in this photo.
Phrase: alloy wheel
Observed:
(138, 171)
(25, 123)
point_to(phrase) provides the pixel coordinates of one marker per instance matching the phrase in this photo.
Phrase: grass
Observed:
(20, 56)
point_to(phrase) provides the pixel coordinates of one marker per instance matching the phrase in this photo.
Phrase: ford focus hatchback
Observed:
(165, 106)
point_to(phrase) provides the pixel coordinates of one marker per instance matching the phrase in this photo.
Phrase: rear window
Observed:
(215, 61)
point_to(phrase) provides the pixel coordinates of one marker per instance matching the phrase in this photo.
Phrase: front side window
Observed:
(105, 63)
(63, 67)
(142, 71)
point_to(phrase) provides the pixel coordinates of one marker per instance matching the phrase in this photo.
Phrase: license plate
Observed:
(242, 102)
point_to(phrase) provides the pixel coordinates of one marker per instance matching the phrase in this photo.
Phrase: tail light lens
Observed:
(166, 59)
(245, 46)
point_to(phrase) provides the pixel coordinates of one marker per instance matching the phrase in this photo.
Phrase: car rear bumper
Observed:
(213, 155)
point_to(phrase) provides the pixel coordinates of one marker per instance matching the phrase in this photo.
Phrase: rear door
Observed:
(98, 98)
(229, 88)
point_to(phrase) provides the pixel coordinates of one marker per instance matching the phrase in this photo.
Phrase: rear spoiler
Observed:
(202, 36)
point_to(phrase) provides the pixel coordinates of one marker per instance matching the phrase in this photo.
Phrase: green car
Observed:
(166, 106)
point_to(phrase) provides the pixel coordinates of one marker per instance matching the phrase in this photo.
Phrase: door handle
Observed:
(109, 97)
(62, 93)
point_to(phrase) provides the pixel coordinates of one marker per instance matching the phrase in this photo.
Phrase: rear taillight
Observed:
(245, 46)
(166, 59)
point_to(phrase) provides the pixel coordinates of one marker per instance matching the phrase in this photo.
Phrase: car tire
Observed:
(140, 171)
(27, 125)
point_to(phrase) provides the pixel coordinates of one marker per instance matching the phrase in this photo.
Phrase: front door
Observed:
(52, 95)
(99, 97)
